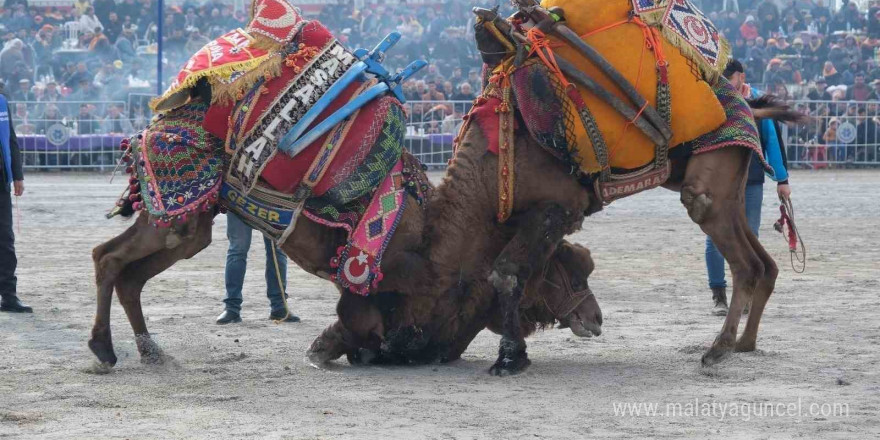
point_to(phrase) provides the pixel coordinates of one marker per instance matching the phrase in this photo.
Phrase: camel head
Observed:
(566, 293)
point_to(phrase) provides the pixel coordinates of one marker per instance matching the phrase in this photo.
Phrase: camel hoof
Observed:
(744, 346)
(154, 359)
(150, 352)
(99, 368)
(317, 356)
(104, 352)
(715, 355)
(510, 367)
(319, 352)
(363, 356)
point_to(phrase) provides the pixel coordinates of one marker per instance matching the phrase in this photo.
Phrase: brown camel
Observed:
(550, 203)
(128, 261)
(448, 267)
(458, 250)
(425, 328)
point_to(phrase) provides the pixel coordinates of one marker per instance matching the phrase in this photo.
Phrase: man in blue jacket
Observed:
(11, 178)
(774, 151)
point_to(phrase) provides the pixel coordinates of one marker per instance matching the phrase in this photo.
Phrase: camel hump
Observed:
(693, 107)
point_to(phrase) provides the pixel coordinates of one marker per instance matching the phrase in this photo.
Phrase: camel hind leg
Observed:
(763, 290)
(135, 275)
(713, 193)
(138, 243)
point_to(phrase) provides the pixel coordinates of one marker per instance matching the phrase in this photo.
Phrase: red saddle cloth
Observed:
(282, 172)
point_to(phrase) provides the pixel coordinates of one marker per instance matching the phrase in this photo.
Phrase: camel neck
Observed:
(461, 214)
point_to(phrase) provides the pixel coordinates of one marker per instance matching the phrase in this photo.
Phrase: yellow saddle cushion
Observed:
(695, 109)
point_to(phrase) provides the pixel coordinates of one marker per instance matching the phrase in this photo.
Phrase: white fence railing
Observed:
(838, 135)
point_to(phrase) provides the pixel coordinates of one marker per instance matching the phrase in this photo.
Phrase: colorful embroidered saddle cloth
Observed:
(608, 27)
(739, 130)
(263, 80)
(352, 177)
(177, 166)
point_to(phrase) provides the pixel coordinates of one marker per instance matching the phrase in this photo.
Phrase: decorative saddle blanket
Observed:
(688, 28)
(221, 61)
(608, 27)
(740, 129)
(176, 166)
(279, 78)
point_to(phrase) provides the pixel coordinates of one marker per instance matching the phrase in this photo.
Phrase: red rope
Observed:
(18, 214)
(539, 41)
(796, 246)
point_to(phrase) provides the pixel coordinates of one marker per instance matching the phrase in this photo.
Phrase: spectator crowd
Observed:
(807, 51)
(57, 58)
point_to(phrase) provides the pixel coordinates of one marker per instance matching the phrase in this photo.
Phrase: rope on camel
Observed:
(280, 285)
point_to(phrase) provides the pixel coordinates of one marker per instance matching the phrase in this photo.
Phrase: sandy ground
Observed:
(818, 350)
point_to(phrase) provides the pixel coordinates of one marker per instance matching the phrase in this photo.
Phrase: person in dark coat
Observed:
(11, 179)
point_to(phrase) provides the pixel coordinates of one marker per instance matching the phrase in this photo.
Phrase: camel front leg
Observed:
(359, 328)
(539, 231)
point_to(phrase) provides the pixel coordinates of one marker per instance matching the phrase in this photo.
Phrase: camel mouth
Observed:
(585, 320)
(585, 329)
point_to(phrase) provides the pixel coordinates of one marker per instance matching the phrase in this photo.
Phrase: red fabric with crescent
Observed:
(220, 58)
(228, 51)
(275, 19)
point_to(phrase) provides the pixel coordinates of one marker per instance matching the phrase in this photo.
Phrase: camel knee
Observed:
(750, 273)
(107, 267)
(771, 271)
(97, 253)
(698, 204)
(504, 277)
(360, 319)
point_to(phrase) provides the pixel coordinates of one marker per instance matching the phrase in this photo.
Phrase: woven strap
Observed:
(506, 160)
(574, 300)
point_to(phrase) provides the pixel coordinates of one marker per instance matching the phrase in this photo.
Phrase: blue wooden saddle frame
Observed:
(369, 62)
